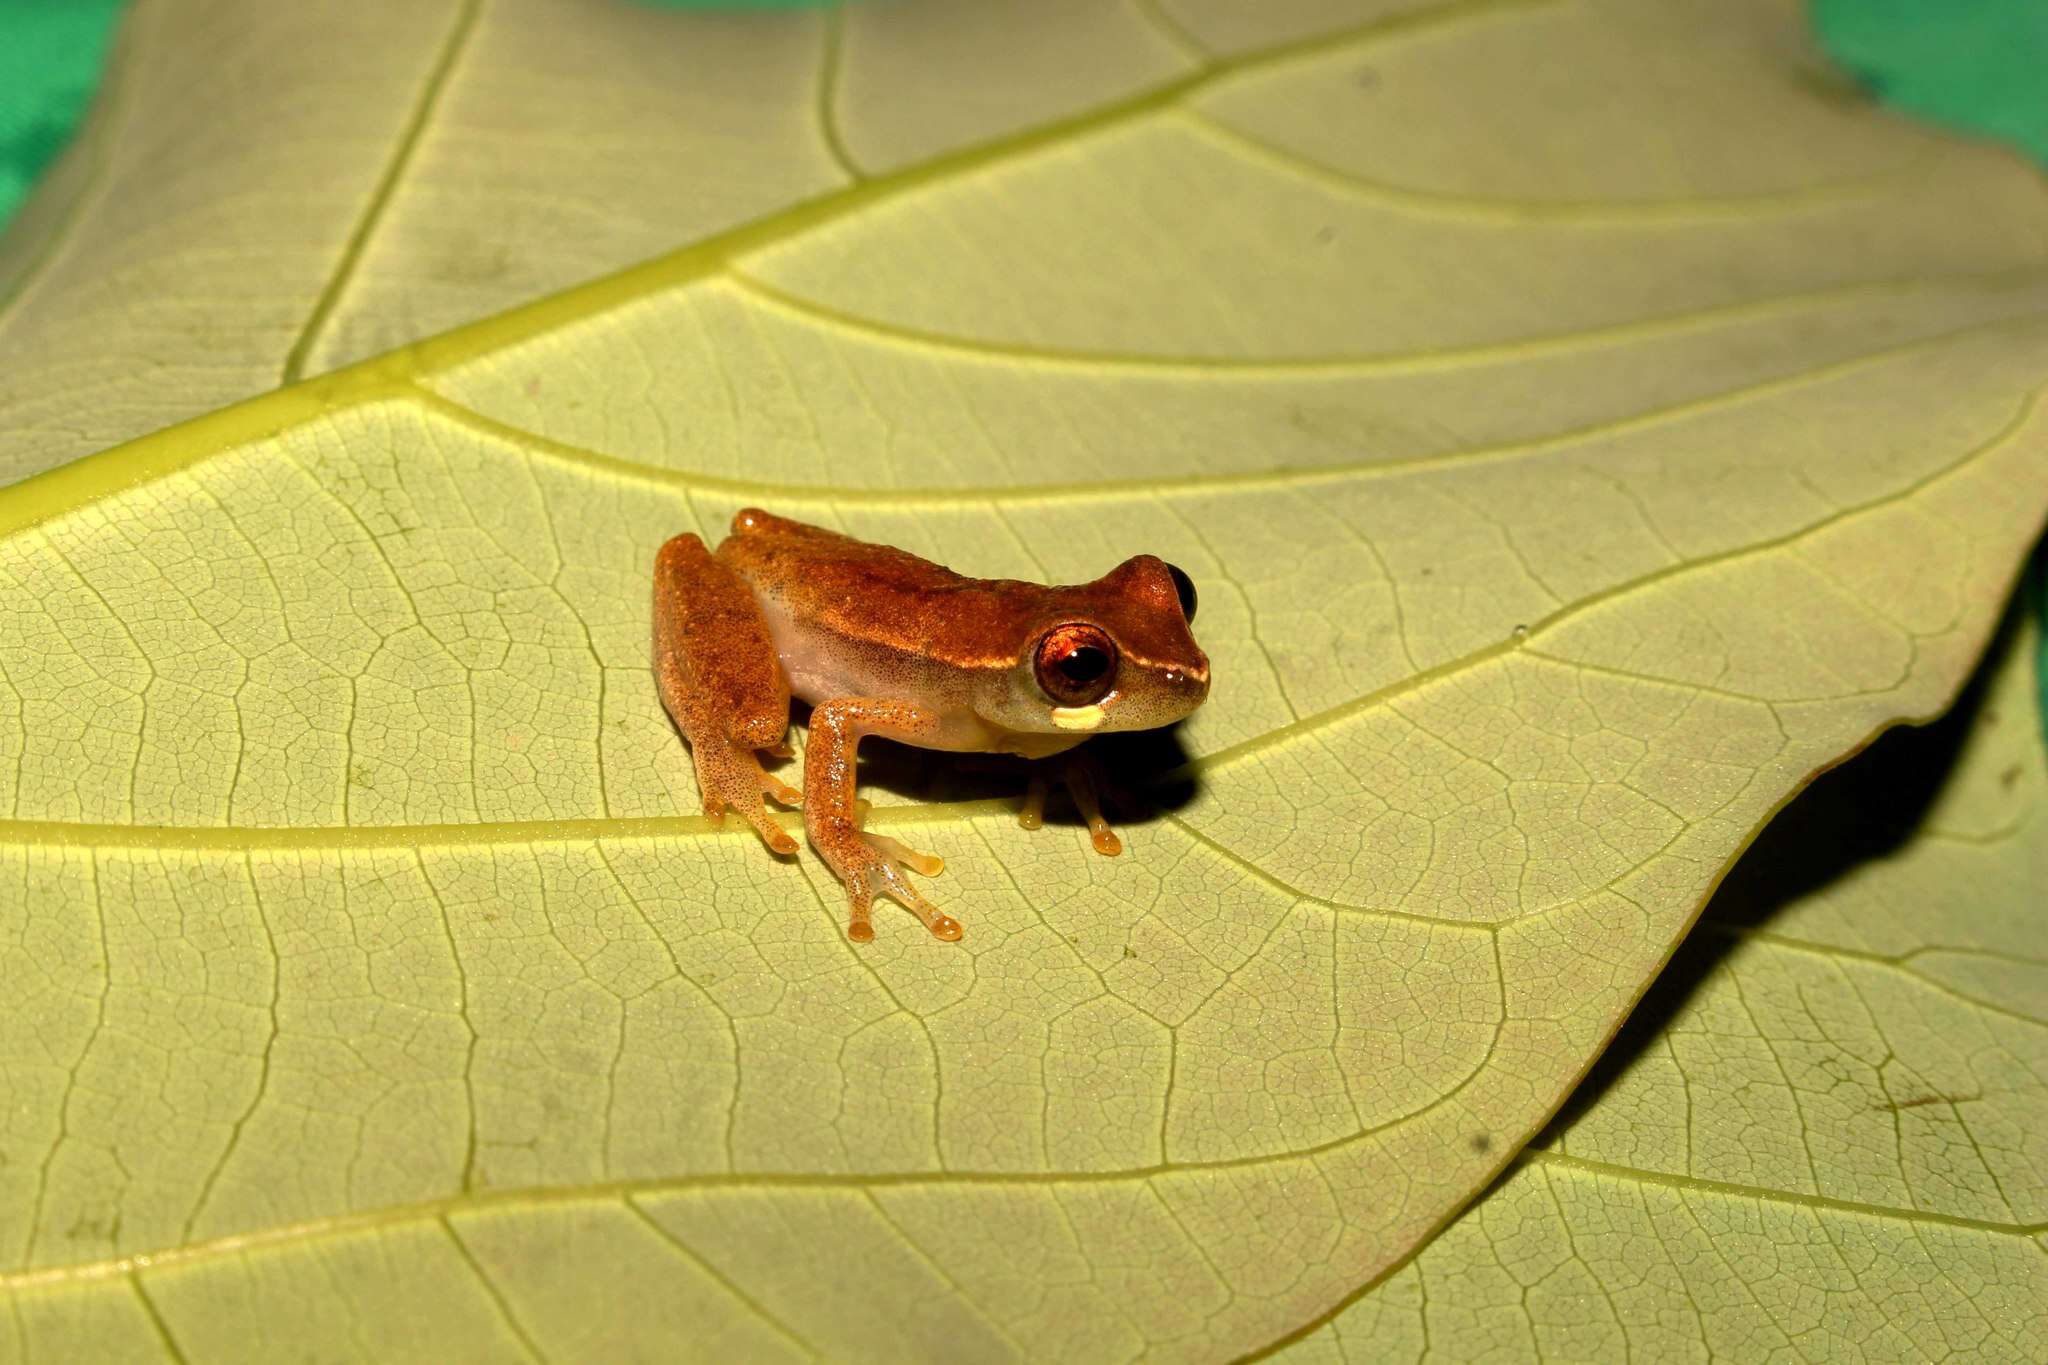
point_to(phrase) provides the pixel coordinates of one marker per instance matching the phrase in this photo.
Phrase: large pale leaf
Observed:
(1587, 425)
(376, 172)
(190, 238)
(1825, 1134)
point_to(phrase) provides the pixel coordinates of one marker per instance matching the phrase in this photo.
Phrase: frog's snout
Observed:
(1190, 685)
(1171, 694)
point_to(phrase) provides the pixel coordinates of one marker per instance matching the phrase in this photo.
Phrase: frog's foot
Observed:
(1085, 782)
(869, 866)
(730, 777)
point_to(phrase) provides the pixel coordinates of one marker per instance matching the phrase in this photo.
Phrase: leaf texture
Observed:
(1571, 477)
(1821, 1136)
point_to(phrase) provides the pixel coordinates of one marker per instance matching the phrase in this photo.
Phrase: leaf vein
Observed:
(385, 191)
(1796, 199)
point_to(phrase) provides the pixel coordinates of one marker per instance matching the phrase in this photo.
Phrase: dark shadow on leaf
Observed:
(1862, 811)
(1137, 764)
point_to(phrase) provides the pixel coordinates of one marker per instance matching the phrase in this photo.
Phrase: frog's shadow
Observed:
(1146, 772)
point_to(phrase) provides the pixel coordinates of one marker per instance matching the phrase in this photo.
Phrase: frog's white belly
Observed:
(823, 666)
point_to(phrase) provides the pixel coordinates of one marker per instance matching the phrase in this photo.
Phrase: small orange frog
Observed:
(881, 642)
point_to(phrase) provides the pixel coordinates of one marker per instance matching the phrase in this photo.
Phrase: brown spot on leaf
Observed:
(1919, 1101)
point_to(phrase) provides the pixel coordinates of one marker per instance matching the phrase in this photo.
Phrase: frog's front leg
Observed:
(715, 666)
(1085, 781)
(866, 863)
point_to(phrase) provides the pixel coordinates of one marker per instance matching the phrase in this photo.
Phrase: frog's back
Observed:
(849, 614)
(817, 567)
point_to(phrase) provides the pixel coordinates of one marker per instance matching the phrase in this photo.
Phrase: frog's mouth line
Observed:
(1078, 717)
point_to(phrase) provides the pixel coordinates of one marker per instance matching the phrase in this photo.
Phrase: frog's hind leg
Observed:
(869, 864)
(716, 669)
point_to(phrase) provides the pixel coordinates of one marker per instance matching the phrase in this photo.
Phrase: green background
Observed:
(51, 52)
(1972, 65)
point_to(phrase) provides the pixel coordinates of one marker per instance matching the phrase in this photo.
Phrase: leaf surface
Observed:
(1822, 1133)
(1569, 479)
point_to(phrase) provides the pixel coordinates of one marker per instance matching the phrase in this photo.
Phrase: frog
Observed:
(884, 644)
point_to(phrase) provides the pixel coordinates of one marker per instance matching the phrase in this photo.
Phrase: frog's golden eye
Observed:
(1183, 588)
(1076, 664)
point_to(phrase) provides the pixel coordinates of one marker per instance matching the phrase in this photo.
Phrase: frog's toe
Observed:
(1104, 838)
(1032, 815)
(775, 836)
(924, 864)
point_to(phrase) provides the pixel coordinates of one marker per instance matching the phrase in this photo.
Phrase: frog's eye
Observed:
(1076, 664)
(1183, 588)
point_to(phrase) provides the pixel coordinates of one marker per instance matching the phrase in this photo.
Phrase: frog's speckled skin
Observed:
(881, 642)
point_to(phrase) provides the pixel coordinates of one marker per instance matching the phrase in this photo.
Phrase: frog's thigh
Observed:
(716, 669)
(866, 863)
(707, 621)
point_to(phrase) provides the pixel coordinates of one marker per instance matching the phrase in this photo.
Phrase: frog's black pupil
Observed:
(1085, 664)
(1184, 587)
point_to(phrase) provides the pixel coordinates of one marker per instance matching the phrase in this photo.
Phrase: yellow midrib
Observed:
(151, 457)
(543, 1196)
(65, 833)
